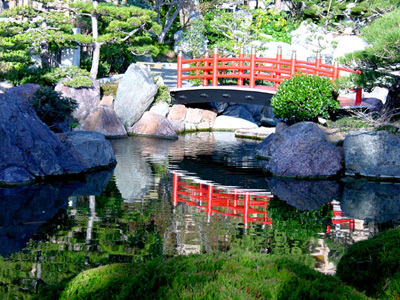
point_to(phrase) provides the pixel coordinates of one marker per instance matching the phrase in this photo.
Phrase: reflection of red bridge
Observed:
(250, 206)
(251, 70)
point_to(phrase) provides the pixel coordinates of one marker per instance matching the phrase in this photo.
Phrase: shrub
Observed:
(374, 265)
(305, 98)
(50, 107)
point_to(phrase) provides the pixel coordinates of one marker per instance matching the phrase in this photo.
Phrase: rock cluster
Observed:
(305, 150)
(30, 150)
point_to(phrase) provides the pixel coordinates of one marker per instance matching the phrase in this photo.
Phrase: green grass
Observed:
(211, 276)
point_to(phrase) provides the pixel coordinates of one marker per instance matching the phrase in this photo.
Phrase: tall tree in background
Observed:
(380, 62)
(116, 25)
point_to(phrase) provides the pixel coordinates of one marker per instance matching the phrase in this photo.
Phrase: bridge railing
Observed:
(252, 68)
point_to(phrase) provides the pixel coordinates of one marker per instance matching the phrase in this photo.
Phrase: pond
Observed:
(201, 193)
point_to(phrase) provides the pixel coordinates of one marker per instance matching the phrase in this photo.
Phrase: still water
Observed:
(201, 193)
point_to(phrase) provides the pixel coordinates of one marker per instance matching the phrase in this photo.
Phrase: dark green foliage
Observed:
(109, 88)
(162, 94)
(211, 276)
(50, 107)
(374, 265)
(305, 98)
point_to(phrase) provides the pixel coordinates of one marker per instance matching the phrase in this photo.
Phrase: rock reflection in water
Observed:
(304, 194)
(26, 208)
(372, 201)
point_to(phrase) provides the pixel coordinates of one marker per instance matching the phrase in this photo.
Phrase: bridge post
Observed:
(215, 67)
(318, 62)
(278, 65)
(205, 72)
(179, 70)
(335, 70)
(252, 67)
(293, 63)
(241, 56)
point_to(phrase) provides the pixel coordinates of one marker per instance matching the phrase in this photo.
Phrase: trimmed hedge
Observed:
(305, 98)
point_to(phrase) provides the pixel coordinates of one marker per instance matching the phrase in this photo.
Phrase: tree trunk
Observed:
(44, 54)
(278, 4)
(96, 45)
(392, 103)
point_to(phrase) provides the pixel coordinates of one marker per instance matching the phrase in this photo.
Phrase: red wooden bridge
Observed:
(251, 74)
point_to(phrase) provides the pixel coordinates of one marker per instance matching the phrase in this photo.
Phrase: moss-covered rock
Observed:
(373, 265)
(211, 276)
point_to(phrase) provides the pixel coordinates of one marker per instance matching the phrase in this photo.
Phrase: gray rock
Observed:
(28, 147)
(239, 111)
(219, 106)
(372, 154)
(304, 194)
(267, 116)
(25, 90)
(160, 108)
(105, 121)
(377, 104)
(91, 149)
(301, 150)
(227, 123)
(154, 125)
(88, 98)
(135, 93)
(371, 201)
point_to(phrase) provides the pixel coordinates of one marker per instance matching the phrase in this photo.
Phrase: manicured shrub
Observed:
(373, 265)
(305, 98)
(50, 107)
(233, 275)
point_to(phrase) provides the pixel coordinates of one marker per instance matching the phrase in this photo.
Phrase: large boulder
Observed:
(89, 148)
(88, 98)
(29, 149)
(372, 154)
(301, 150)
(152, 124)
(135, 93)
(105, 121)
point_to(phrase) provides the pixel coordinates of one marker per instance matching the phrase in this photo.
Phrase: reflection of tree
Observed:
(93, 231)
(292, 225)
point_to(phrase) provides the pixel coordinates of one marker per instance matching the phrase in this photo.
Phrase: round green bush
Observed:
(51, 107)
(373, 265)
(305, 98)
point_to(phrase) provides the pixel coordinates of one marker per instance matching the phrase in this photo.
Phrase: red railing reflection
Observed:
(338, 218)
(251, 207)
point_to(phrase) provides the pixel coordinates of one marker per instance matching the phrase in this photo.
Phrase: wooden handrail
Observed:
(253, 68)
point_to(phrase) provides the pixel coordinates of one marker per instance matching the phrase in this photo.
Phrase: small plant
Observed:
(71, 73)
(78, 82)
(109, 88)
(50, 107)
(162, 94)
(305, 98)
